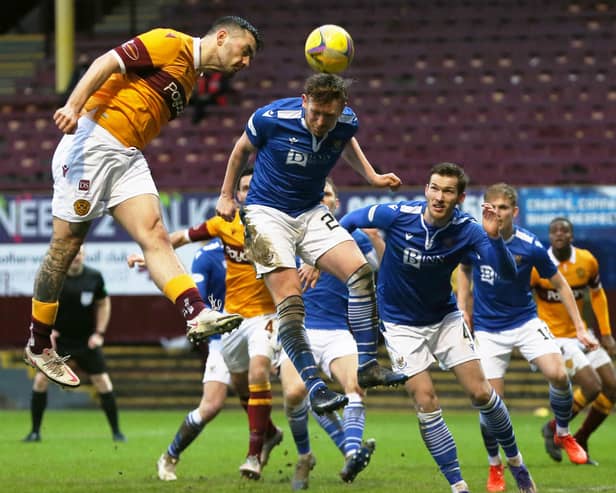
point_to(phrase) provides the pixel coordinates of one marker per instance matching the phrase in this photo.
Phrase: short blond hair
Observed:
(501, 189)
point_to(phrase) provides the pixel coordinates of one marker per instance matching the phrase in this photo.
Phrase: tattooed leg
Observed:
(65, 243)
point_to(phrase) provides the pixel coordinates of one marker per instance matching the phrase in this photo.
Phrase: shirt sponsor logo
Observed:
(168, 87)
(553, 295)
(297, 158)
(487, 274)
(84, 185)
(237, 255)
(175, 96)
(415, 258)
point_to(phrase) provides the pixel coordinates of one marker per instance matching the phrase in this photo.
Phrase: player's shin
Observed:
(362, 315)
(294, 341)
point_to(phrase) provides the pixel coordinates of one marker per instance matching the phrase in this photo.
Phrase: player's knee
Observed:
(294, 394)
(209, 408)
(290, 313)
(591, 389)
(361, 282)
(102, 383)
(349, 383)
(259, 374)
(559, 379)
(482, 395)
(609, 390)
(425, 401)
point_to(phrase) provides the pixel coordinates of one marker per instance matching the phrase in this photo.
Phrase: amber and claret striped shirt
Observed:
(582, 273)
(245, 294)
(159, 70)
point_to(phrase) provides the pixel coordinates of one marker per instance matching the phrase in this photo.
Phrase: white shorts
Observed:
(413, 349)
(215, 367)
(93, 172)
(274, 239)
(576, 357)
(256, 336)
(533, 339)
(328, 345)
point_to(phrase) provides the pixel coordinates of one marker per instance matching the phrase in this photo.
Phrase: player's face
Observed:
(505, 212)
(561, 235)
(321, 117)
(442, 197)
(236, 49)
(329, 199)
(242, 189)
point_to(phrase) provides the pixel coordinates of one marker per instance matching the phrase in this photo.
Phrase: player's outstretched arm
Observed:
(178, 238)
(489, 220)
(568, 299)
(135, 260)
(463, 293)
(598, 301)
(374, 216)
(378, 245)
(354, 155)
(498, 254)
(308, 276)
(100, 70)
(101, 319)
(226, 206)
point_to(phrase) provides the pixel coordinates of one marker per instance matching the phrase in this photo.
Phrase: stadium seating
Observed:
(146, 376)
(519, 91)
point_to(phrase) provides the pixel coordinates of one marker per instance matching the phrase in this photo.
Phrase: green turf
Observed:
(77, 455)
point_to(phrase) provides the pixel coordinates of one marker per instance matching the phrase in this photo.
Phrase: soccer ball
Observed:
(329, 48)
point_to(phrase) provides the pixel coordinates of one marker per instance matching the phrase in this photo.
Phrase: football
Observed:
(329, 48)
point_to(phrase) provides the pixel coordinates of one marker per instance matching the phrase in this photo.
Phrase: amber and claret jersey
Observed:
(159, 70)
(581, 272)
(246, 294)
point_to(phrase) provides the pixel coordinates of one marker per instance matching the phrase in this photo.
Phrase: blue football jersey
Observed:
(291, 164)
(501, 304)
(326, 303)
(209, 271)
(414, 277)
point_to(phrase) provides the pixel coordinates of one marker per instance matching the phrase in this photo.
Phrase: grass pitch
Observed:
(78, 455)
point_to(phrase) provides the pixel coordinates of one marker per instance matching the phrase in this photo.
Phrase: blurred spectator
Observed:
(210, 89)
(83, 63)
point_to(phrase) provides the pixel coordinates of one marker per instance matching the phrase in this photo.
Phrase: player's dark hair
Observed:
(236, 21)
(561, 219)
(324, 88)
(249, 171)
(333, 186)
(451, 169)
(501, 189)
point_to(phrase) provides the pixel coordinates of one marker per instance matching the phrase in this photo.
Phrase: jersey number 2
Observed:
(330, 221)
